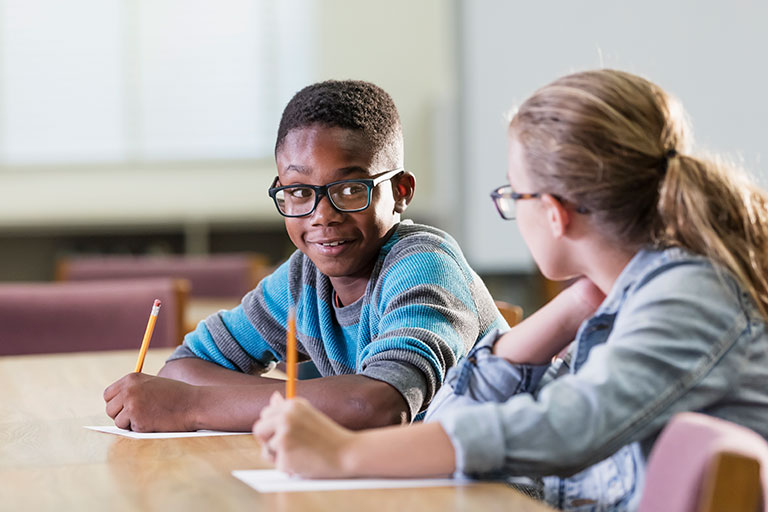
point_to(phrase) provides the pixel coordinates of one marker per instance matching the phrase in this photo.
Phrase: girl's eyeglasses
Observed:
(505, 200)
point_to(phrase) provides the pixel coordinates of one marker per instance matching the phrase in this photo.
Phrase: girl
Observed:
(603, 186)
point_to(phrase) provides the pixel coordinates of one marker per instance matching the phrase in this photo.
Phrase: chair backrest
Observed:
(512, 314)
(705, 464)
(38, 318)
(225, 275)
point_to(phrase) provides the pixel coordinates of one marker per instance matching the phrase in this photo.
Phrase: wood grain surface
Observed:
(48, 461)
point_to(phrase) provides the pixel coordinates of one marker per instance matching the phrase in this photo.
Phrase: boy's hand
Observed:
(144, 403)
(301, 440)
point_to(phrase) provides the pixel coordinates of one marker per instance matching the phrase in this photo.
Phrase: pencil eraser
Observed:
(156, 304)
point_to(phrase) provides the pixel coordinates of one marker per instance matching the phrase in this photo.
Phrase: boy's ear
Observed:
(403, 186)
(558, 217)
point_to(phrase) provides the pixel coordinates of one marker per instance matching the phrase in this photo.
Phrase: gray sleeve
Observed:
(181, 352)
(662, 357)
(428, 318)
(404, 377)
(249, 337)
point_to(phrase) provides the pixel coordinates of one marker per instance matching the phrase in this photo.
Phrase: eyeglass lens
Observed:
(506, 206)
(346, 196)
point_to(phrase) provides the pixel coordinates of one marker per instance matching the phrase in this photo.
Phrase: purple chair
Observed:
(38, 318)
(214, 276)
(704, 464)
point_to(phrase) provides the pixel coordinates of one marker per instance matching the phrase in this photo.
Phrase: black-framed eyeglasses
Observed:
(505, 200)
(345, 195)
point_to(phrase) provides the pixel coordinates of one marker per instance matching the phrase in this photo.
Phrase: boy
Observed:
(383, 307)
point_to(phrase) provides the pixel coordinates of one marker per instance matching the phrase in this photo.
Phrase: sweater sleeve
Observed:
(427, 321)
(249, 337)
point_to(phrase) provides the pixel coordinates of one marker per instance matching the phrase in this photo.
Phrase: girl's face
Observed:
(533, 216)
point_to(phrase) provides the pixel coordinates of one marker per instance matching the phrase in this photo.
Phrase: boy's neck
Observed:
(348, 289)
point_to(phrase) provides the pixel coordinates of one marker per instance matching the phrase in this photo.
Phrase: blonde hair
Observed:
(617, 145)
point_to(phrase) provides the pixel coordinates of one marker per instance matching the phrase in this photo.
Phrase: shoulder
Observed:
(290, 275)
(675, 269)
(412, 239)
(676, 284)
(423, 260)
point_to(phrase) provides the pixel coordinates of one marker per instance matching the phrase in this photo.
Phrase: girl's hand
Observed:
(587, 293)
(549, 331)
(301, 440)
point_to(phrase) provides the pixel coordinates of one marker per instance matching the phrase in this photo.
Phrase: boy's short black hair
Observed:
(350, 104)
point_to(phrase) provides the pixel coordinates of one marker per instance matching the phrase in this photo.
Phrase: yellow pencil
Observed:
(148, 334)
(290, 358)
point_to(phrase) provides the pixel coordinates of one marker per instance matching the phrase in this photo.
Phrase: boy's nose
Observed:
(325, 212)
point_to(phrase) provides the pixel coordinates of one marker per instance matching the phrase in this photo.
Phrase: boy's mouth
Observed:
(331, 247)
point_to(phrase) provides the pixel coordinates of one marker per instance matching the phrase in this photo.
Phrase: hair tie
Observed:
(671, 153)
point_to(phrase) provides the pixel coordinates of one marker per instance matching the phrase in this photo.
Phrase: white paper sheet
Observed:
(270, 480)
(161, 435)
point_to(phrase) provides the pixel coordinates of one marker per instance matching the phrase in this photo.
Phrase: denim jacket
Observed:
(674, 334)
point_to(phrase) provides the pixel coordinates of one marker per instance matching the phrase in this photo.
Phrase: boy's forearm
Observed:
(353, 401)
(204, 373)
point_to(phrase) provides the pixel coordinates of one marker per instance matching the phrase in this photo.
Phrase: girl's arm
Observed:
(300, 440)
(544, 334)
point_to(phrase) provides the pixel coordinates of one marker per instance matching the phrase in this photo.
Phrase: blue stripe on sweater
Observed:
(277, 296)
(201, 343)
(245, 333)
(430, 319)
(425, 268)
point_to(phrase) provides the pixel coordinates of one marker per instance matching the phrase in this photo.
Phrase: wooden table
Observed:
(48, 461)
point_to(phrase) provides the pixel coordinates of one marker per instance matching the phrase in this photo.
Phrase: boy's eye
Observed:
(300, 193)
(352, 189)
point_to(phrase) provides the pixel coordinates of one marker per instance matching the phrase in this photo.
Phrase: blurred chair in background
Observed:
(40, 318)
(214, 276)
(512, 314)
(216, 281)
(704, 464)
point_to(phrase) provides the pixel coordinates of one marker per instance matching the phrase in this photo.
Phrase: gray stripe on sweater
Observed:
(406, 378)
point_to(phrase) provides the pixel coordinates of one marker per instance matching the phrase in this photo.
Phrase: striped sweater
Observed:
(422, 310)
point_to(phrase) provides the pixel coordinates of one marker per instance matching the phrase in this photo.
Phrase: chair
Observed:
(704, 464)
(512, 314)
(38, 318)
(216, 281)
(214, 276)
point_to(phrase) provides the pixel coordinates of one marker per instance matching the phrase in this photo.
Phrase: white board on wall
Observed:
(710, 54)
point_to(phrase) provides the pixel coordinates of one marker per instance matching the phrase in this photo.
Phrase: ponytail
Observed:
(712, 208)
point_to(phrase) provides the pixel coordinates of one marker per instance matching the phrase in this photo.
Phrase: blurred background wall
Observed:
(147, 126)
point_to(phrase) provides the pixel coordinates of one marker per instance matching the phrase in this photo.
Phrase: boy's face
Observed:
(344, 246)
